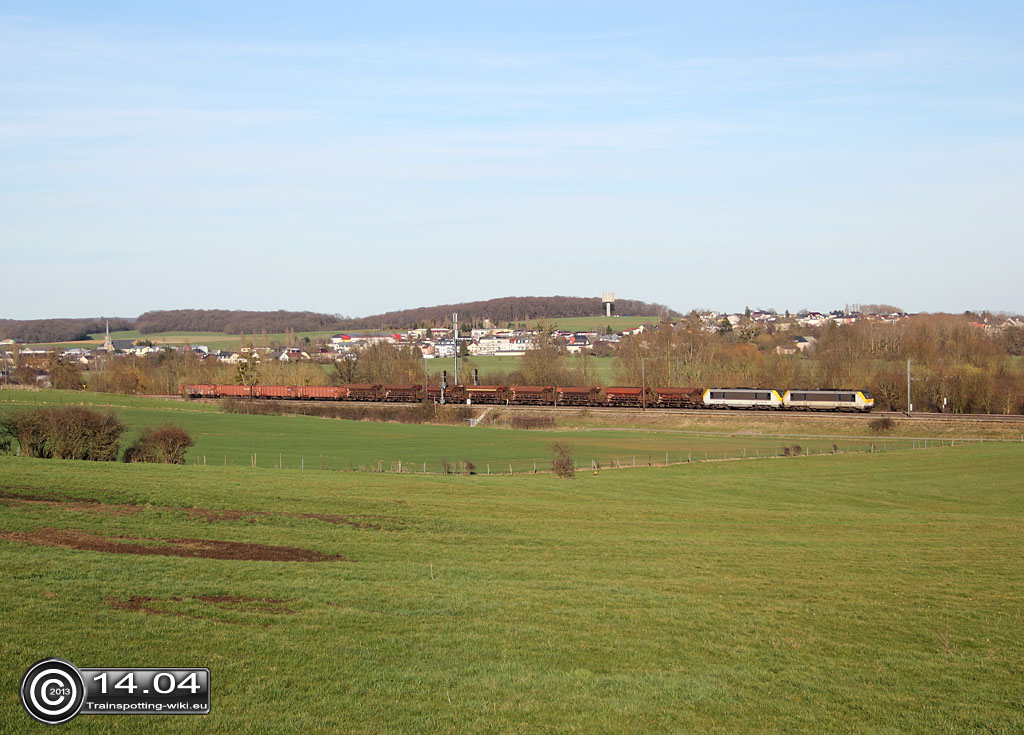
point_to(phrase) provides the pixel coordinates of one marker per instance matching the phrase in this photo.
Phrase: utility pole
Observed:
(910, 406)
(643, 384)
(455, 325)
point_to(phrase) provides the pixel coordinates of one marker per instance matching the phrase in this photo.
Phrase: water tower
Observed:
(608, 303)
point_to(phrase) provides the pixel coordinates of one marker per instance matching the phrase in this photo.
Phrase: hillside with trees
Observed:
(58, 330)
(234, 322)
(499, 311)
(956, 365)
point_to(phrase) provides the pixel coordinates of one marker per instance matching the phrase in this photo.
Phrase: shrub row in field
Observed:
(64, 433)
(74, 432)
(166, 444)
(419, 414)
(533, 422)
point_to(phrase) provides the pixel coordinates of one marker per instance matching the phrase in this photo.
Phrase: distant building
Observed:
(608, 303)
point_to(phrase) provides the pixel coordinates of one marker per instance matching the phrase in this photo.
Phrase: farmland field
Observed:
(298, 441)
(877, 593)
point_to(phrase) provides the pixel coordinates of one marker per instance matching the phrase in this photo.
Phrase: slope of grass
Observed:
(871, 593)
(294, 441)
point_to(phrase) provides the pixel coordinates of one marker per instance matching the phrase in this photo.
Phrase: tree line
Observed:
(501, 311)
(58, 330)
(234, 322)
(511, 309)
(955, 365)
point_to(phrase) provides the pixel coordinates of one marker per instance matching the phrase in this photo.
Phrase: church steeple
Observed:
(107, 344)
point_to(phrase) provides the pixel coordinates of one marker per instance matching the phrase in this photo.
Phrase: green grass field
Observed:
(297, 441)
(874, 593)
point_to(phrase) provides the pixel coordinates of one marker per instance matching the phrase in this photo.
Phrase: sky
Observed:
(355, 158)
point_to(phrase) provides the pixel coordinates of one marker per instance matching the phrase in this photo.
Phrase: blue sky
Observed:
(358, 158)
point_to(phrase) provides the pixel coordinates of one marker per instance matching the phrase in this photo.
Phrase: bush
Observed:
(29, 429)
(166, 444)
(563, 464)
(533, 422)
(418, 414)
(881, 424)
(64, 433)
(78, 433)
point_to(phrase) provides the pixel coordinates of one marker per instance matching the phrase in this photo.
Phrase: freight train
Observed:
(767, 399)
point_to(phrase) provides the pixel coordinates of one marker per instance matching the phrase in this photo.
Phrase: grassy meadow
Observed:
(870, 593)
(308, 442)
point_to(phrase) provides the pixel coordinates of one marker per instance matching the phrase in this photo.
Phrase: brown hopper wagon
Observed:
(532, 395)
(627, 396)
(363, 392)
(411, 393)
(199, 391)
(321, 392)
(678, 397)
(452, 394)
(578, 395)
(235, 391)
(492, 394)
(275, 391)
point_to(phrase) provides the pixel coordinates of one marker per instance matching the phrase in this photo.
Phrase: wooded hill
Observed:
(500, 311)
(58, 330)
(234, 322)
(504, 310)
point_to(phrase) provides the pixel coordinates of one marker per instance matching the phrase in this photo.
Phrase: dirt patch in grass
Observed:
(231, 603)
(375, 523)
(92, 506)
(183, 547)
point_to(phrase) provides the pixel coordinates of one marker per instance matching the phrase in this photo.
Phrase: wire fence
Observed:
(583, 461)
